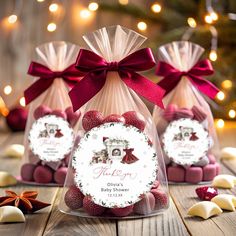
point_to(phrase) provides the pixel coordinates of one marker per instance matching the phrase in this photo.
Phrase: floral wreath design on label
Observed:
(186, 141)
(51, 138)
(114, 149)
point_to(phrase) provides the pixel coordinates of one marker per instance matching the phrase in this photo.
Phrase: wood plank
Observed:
(35, 223)
(184, 197)
(168, 223)
(62, 224)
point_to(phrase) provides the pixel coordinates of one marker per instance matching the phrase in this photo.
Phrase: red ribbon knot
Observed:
(96, 69)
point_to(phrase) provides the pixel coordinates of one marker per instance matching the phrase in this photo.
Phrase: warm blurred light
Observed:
(7, 89)
(51, 27)
(208, 19)
(227, 84)
(142, 26)
(93, 6)
(220, 123)
(85, 14)
(40, 0)
(53, 7)
(191, 22)
(124, 2)
(12, 19)
(156, 7)
(213, 55)
(220, 96)
(22, 102)
(5, 111)
(232, 113)
(214, 16)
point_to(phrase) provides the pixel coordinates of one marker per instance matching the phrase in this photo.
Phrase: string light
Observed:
(208, 19)
(227, 84)
(85, 14)
(213, 55)
(93, 6)
(191, 22)
(12, 19)
(22, 101)
(40, 0)
(220, 123)
(214, 16)
(220, 96)
(53, 7)
(123, 2)
(232, 113)
(7, 89)
(156, 7)
(142, 26)
(51, 27)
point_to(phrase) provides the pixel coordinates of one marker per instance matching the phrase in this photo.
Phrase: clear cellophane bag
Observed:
(183, 55)
(54, 101)
(113, 44)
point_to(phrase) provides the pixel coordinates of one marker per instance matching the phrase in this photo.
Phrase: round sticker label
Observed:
(186, 141)
(115, 164)
(51, 138)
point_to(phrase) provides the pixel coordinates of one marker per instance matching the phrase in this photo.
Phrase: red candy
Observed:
(114, 118)
(206, 193)
(209, 172)
(145, 205)
(27, 171)
(91, 208)
(92, 119)
(74, 198)
(43, 174)
(72, 117)
(199, 113)
(169, 112)
(41, 111)
(161, 199)
(175, 173)
(122, 211)
(60, 175)
(194, 175)
(59, 113)
(135, 119)
(183, 113)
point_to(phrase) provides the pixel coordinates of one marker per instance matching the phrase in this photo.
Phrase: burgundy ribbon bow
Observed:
(172, 77)
(96, 69)
(70, 75)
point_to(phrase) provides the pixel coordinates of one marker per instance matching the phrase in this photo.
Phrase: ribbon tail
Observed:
(87, 88)
(205, 86)
(143, 87)
(37, 89)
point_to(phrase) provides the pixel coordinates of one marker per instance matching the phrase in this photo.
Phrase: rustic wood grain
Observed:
(168, 223)
(184, 197)
(66, 225)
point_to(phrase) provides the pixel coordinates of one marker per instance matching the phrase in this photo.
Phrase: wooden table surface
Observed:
(174, 222)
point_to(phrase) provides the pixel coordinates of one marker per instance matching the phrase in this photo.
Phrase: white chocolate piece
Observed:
(228, 153)
(224, 181)
(14, 150)
(7, 179)
(225, 201)
(204, 209)
(11, 214)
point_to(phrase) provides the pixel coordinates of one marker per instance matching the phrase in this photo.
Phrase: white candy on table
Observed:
(224, 181)
(228, 153)
(7, 179)
(11, 214)
(204, 209)
(14, 150)
(225, 201)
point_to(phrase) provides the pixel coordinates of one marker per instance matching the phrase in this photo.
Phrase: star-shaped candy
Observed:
(225, 201)
(224, 181)
(26, 201)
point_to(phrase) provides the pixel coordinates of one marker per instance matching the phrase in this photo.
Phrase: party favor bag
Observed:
(186, 125)
(117, 169)
(49, 134)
